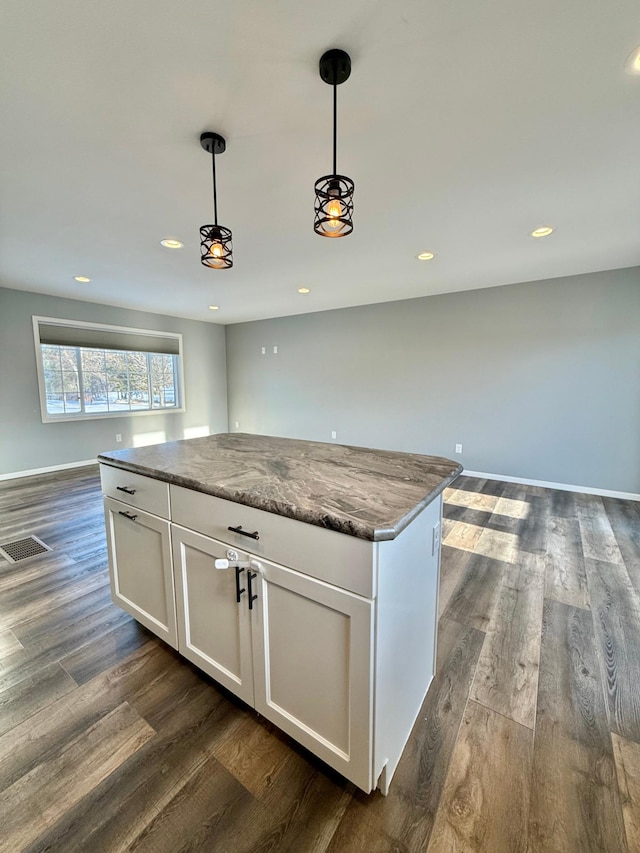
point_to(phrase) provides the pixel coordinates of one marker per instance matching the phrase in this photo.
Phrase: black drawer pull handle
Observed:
(238, 529)
(251, 575)
(126, 515)
(125, 489)
(239, 591)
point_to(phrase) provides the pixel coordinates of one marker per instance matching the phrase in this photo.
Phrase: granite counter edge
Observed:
(348, 527)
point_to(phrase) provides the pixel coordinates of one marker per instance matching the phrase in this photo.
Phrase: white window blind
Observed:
(99, 337)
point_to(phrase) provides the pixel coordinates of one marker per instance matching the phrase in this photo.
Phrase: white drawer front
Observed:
(345, 561)
(138, 491)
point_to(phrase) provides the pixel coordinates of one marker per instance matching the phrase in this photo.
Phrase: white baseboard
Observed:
(33, 471)
(563, 487)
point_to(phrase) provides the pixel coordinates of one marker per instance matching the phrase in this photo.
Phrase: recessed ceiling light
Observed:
(82, 278)
(426, 256)
(633, 62)
(543, 231)
(170, 243)
(214, 307)
(304, 290)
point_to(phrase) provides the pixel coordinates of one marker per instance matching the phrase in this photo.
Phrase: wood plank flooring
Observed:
(528, 740)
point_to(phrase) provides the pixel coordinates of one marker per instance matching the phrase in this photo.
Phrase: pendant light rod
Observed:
(335, 118)
(215, 193)
(335, 68)
(214, 144)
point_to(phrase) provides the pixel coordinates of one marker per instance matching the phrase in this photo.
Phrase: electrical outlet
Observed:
(458, 448)
(275, 350)
(264, 350)
(118, 436)
(334, 434)
(237, 424)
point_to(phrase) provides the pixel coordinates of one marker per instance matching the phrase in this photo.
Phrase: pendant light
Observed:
(215, 240)
(334, 193)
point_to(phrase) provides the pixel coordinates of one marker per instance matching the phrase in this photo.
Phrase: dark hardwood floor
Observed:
(529, 738)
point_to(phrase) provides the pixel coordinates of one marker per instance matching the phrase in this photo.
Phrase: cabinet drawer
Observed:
(138, 491)
(344, 561)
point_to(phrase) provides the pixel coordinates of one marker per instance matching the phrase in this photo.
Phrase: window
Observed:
(88, 370)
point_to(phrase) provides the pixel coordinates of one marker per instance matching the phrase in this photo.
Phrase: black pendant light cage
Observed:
(334, 193)
(215, 240)
(334, 206)
(215, 247)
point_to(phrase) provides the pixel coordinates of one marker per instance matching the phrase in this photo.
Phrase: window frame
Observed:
(82, 415)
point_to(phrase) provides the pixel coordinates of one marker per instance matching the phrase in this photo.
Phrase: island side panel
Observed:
(406, 625)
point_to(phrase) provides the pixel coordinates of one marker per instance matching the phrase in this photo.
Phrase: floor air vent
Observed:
(21, 549)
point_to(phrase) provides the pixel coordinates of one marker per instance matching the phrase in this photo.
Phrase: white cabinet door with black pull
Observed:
(139, 546)
(313, 673)
(214, 630)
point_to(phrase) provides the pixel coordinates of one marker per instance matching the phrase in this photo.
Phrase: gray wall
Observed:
(539, 380)
(27, 443)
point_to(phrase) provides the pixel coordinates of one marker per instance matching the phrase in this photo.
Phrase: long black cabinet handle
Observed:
(239, 570)
(126, 515)
(238, 529)
(126, 489)
(250, 576)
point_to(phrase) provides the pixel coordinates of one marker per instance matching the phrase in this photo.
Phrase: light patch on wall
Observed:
(144, 439)
(196, 432)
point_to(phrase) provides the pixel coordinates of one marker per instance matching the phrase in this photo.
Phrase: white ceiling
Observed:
(464, 125)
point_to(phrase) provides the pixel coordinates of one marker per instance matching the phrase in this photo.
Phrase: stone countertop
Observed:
(371, 494)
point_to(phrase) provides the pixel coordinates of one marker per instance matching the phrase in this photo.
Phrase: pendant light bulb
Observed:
(215, 258)
(334, 210)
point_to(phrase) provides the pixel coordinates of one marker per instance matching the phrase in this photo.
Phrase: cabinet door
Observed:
(214, 631)
(139, 546)
(312, 645)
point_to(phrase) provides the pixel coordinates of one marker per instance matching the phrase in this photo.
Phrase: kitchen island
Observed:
(301, 576)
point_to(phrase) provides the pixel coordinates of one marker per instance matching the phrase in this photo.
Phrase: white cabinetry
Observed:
(297, 649)
(329, 636)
